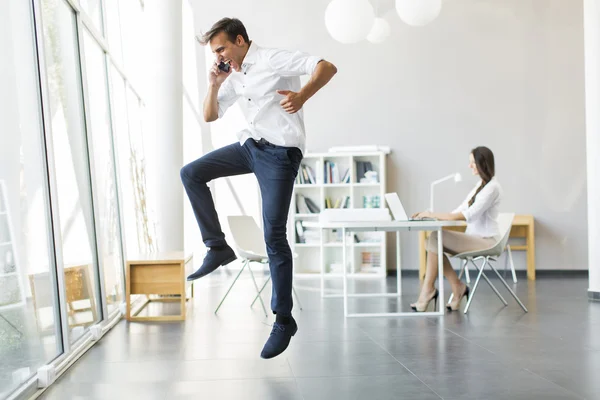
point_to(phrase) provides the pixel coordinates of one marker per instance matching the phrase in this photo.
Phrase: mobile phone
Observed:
(224, 67)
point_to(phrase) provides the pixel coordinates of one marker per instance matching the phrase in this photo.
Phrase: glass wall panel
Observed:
(71, 165)
(132, 33)
(113, 30)
(93, 9)
(30, 334)
(105, 187)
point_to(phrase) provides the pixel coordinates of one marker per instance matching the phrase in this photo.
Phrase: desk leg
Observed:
(322, 265)
(422, 255)
(440, 272)
(398, 265)
(344, 262)
(531, 252)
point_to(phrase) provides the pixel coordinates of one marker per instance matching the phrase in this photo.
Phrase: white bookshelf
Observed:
(324, 247)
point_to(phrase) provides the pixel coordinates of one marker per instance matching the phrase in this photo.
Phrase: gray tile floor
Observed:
(495, 352)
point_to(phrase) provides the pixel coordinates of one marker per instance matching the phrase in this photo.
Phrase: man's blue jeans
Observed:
(275, 168)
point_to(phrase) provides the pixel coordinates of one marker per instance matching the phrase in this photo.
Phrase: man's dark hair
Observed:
(232, 26)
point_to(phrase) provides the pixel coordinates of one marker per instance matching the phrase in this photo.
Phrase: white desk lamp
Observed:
(457, 178)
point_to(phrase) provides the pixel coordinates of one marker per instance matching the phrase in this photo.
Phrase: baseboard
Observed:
(577, 273)
(593, 296)
(553, 273)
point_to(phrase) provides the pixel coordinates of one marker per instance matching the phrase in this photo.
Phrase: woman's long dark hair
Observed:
(484, 160)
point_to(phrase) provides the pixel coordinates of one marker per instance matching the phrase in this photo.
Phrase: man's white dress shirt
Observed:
(263, 72)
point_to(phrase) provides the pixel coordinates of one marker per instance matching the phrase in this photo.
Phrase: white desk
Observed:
(386, 226)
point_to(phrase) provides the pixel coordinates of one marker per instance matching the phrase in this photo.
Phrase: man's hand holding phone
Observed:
(218, 73)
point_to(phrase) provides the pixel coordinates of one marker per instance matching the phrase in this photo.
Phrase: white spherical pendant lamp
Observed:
(418, 12)
(349, 21)
(380, 31)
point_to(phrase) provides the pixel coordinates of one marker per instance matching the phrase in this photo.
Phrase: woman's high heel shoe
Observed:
(422, 307)
(456, 303)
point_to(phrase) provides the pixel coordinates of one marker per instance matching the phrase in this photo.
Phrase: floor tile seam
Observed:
(540, 335)
(174, 381)
(566, 390)
(525, 369)
(287, 360)
(404, 366)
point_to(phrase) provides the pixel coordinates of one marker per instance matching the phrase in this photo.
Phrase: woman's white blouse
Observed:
(482, 216)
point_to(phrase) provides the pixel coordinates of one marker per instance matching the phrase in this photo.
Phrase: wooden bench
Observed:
(522, 227)
(162, 274)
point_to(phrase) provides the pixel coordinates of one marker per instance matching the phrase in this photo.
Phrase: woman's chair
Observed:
(488, 255)
(507, 262)
(250, 247)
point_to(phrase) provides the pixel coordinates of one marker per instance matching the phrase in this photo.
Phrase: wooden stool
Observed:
(158, 274)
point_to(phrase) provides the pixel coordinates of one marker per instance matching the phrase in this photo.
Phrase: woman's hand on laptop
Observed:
(422, 214)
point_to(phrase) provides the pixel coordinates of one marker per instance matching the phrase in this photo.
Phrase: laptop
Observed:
(397, 210)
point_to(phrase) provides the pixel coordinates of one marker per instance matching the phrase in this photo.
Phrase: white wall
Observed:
(505, 74)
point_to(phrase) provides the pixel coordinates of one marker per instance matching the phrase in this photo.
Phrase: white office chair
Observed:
(508, 261)
(250, 247)
(487, 255)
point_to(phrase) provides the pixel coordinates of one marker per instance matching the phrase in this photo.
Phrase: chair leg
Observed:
(505, 263)
(509, 289)
(474, 288)
(512, 265)
(297, 298)
(258, 291)
(230, 287)
(265, 285)
(487, 261)
(466, 266)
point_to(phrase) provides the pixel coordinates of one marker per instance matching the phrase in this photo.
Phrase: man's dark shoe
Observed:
(279, 339)
(213, 260)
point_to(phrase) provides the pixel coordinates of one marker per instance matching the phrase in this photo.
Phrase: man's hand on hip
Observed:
(292, 102)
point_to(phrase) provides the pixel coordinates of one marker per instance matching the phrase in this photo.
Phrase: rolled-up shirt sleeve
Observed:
(484, 200)
(465, 204)
(292, 63)
(226, 97)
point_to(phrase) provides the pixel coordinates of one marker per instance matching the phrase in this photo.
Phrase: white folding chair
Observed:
(250, 247)
(508, 260)
(487, 255)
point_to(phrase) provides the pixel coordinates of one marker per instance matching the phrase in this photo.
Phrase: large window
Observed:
(72, 176)
(104, 179)
(70, 168)
(30, 324)
(93, 9)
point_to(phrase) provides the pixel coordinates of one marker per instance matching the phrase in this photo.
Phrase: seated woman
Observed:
(480, 210)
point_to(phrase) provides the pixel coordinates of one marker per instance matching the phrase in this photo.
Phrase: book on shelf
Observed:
(304, 235)
(304, 205)
(362, 167)
(305, 175)
(299, 232)
(346, 177)
(340, 202)
(331, 173)
(311, 205)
